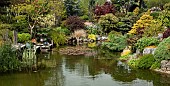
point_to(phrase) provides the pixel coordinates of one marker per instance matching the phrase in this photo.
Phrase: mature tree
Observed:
(106, 8)
(157, 3)
(72, 7)
(58, 10)
(91, 8)
(32, 10)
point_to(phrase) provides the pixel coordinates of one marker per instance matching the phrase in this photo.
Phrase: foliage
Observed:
(24, 37)
(93, 29)
(125, 57)
(92, 45)
(146, 41)
(57, 10)
(133, 63)
(91, 5)
(92, 37)
(8, 59)
(161, 21)
(58, 36)
(64, 30)
(156, 3)
(166, 34)
(46, 20)
(132, 40)
(104, 9)
(124, 24)
(155, 14)
(136, 11)
(125, 52)
(159, 24)
(74, 23)
(146, 61)
(79, 33)
(72, 7)
(156, 65)
(162, 51)
(20, 23)
(108, 22)
(153, 30)
(117, 42)
(84, 17)
(165, 15)
(144, 22)
(32, 9)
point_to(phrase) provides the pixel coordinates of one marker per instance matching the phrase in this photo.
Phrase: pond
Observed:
(101, 69)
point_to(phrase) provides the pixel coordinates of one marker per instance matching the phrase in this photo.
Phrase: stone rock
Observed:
(137, 51)
(149, 51)
(104, 38)
(168, 66)
(163, 64)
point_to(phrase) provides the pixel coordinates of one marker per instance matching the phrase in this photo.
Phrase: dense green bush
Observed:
(63, 30)
(124, 24)
(116, 42)
(58, 36)
(146, 41)
(156, 65)
(162, 52)
(133, 63)
(84, 17)
(93, 29)
(156, 3)
(155, 14)
(8, 59)
(24, 37)
(108, 22)
(146, 61)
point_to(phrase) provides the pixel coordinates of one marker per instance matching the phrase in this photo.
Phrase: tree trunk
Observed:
(31, 28)
(15, 37)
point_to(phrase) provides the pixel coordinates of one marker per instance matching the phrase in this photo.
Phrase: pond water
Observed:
(98, 70)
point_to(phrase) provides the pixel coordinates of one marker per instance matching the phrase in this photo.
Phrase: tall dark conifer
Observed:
(72, 7)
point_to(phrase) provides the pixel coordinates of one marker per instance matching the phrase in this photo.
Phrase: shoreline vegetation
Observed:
(140, 29)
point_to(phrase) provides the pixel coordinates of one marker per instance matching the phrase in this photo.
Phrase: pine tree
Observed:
(72, 8)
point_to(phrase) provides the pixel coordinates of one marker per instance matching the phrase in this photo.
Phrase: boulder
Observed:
(149, 51)
(168, 66)
(163, 65)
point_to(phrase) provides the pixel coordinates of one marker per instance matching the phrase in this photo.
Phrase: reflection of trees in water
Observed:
(107, 54)
(151, 76)
(89, 66)
(122, 73)
(72, 62)
(95, 65)
(57, 78)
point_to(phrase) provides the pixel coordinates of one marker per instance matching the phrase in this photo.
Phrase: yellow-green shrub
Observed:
(144, 22)
(92, 37)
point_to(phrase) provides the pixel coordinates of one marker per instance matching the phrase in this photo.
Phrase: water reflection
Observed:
(100, 70)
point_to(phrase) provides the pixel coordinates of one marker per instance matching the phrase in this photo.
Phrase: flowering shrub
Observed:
(92, 37)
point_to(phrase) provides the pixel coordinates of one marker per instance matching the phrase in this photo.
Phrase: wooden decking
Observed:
(36, 47)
